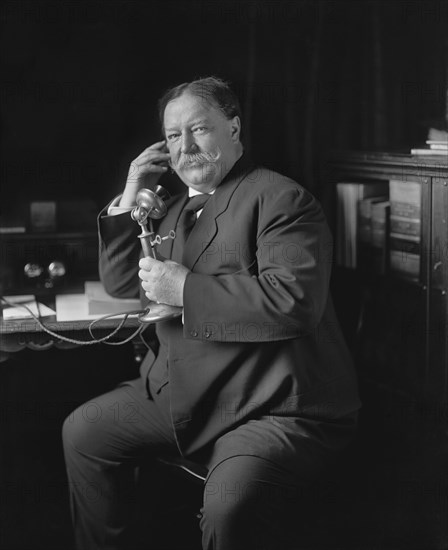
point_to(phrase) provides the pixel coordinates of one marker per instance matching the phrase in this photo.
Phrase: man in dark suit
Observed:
(254, 380)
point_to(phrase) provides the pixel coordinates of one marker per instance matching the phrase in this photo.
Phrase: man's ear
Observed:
(235, 128)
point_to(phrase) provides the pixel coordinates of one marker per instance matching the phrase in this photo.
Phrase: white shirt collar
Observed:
(194, 192)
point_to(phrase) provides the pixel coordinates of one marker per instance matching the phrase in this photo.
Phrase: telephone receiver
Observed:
(151, 205)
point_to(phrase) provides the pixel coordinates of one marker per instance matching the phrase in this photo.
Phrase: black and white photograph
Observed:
(224, 275)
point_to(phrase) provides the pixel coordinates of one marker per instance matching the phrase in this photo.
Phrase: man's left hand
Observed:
(163, 281)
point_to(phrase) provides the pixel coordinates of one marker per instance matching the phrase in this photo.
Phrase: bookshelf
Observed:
(398, 333)
(428, 294)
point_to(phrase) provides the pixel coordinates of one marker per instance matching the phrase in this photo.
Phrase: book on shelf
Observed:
(372, 216)
(380, 236)
(348, 196)
(434, 134)
(403, 244)
(365, 210)
(430, 152)
(380, 222)
(405, 228)
(405, 199)
(437, 144)
(99, 302)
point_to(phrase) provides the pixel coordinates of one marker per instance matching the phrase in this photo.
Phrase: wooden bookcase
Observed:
(398, 333)
(425, 304)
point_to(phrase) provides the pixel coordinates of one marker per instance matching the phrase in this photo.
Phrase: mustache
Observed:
(203, 157)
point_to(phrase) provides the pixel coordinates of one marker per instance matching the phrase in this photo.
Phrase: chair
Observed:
(186, 468)
(180, 515)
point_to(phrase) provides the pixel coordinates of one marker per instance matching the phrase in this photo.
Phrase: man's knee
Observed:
(245, 503)
(222, 500)
(232, 491)
(225, 512)
(79, 429)
(232, 508)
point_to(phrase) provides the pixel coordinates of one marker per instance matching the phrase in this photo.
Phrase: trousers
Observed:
(248, 500)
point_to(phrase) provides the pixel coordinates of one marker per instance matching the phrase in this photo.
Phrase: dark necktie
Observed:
(185, 224)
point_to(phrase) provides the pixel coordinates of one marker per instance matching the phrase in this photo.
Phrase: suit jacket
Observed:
(259, 336)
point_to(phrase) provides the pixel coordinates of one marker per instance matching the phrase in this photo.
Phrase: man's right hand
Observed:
(152, 161)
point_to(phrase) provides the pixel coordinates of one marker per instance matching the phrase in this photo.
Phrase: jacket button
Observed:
(207, 334)
(194, 333)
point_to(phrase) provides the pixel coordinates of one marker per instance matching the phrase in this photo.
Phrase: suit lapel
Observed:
(206, 227)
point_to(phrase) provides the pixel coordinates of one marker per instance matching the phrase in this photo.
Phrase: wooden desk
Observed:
(26, 333)
(37, 392)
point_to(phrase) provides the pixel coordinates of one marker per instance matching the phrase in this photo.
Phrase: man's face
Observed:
(203, 144)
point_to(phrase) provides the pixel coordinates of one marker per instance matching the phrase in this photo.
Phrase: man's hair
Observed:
(213, 90)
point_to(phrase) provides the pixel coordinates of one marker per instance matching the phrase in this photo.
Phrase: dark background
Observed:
(81, 80)
(80, 84)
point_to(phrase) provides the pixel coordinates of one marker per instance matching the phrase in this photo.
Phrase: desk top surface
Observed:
(30, 325)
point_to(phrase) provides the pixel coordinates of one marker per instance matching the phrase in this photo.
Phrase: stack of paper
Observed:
(18, 311)
(99, 302)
